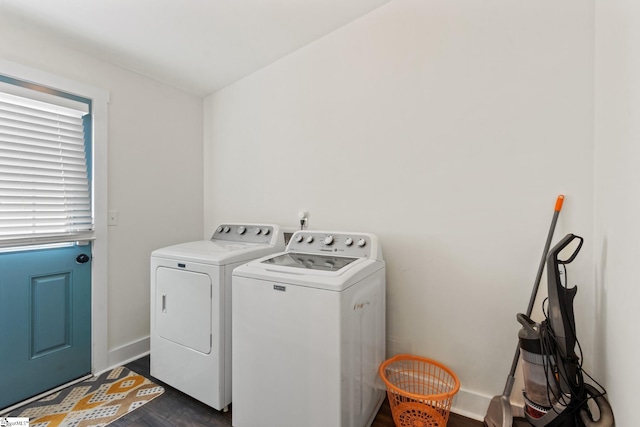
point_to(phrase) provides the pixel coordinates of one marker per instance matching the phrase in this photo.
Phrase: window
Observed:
(45, 189)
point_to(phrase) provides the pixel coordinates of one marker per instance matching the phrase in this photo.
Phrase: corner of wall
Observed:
(127, 353)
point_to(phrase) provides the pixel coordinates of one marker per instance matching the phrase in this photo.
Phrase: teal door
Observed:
(45, 320)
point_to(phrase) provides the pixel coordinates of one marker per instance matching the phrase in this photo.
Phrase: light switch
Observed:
(112, 218)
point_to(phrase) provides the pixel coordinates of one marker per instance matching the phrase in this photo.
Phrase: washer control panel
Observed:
(338, 243)
(247, 233)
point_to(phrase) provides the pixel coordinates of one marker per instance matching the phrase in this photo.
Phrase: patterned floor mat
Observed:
(94, 402)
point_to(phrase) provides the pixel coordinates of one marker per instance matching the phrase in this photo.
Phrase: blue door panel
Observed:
(50, 313)
(45, 320)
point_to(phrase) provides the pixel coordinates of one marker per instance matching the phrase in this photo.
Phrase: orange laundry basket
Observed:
(420, 390)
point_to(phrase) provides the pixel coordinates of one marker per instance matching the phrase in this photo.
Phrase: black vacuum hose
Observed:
(606, 413)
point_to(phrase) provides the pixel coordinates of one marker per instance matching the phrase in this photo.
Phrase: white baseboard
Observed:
(470, 404)
(128, 353)
(474, 405)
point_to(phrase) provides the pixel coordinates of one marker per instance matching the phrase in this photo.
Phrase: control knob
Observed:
(299, 238)
(328, 240)
(362, 243)
(226, 229)
(241, 229)
(258, 231)
(348, 241)
(310, 239)
(266, 231)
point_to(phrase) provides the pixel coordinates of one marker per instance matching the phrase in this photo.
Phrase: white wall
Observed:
(154, 167)
(446, 127)
(617, 239)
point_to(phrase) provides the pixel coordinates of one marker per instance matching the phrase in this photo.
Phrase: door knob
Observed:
(82, 258)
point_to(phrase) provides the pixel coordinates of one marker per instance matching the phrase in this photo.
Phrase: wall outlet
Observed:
(303, 216)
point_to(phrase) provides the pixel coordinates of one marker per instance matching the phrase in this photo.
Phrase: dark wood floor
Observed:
(175, 409)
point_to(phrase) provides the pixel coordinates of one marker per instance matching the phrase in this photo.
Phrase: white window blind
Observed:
(44, 182)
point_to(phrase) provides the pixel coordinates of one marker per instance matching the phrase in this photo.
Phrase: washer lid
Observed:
(310, 261)
(215, 252)
(336, 278)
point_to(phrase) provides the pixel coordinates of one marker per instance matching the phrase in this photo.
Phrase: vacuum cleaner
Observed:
(555, 391)
(499, 411)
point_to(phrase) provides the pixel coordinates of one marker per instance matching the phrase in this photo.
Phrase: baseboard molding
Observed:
(474, 405)
(127, 353)
(470, 404)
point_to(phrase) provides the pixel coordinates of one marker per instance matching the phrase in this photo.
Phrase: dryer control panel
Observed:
(359, 245)
(247, 233)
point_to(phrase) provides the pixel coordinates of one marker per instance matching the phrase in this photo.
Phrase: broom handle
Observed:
(534, 293)
(547, 245)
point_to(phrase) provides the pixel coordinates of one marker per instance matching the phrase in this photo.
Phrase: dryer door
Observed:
(183, 308)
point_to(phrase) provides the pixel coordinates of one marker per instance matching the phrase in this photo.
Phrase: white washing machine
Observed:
(309, 333)
(191, 308)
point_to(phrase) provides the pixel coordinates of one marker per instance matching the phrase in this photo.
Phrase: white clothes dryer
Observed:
(309, 333)
(191, 308)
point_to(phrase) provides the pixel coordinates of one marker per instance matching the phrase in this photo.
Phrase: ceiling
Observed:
(199, 46)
